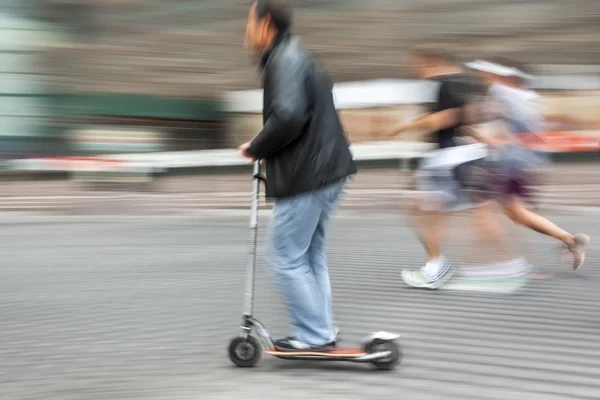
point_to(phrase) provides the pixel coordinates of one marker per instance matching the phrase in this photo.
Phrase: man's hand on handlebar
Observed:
(244, 150)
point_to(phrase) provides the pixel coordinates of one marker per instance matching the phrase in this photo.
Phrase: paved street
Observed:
(123, 307)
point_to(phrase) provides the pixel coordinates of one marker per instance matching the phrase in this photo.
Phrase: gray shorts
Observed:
(439, 188)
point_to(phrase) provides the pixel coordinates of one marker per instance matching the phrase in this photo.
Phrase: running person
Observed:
(438, 178)
(506, 82)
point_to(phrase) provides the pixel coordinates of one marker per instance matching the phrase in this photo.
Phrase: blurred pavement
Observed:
(122, 307)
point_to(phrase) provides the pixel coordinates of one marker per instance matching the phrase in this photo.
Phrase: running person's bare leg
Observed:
(434, 224)
(516, 211)
(489, 229)
(577, 244)
(429, 226)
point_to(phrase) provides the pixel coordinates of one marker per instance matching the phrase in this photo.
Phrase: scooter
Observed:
(245, 350)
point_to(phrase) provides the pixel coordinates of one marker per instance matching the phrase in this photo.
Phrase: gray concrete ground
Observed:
(122, 307)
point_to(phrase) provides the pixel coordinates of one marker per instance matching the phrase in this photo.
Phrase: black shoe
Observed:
(292, 344)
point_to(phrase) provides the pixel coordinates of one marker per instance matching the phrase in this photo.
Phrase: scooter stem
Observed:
(252, 243)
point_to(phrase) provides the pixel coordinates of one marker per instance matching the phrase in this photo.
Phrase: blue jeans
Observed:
(296, 256)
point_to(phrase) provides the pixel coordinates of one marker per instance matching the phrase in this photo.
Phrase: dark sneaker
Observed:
(578, 250)
(292, 344)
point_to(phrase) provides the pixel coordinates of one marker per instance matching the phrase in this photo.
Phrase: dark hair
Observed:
(435, 52)
(279, 12)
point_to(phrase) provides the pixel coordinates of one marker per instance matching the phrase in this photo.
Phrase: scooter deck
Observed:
(339, 353)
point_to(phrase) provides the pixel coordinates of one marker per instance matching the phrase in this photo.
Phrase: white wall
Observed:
(390, 92)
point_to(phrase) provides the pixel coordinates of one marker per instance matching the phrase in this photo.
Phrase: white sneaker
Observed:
(338, 336)
(421, 279)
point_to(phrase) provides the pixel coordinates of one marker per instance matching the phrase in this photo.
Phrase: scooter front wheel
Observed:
(391, 361)
(245, 352)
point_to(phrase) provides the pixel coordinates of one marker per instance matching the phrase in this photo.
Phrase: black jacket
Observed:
(302, 140)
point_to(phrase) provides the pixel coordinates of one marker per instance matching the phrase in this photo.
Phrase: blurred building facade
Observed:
(179, 50)
(27, 120)
(195, 48)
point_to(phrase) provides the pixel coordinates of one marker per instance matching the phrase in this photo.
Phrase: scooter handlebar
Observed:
(256, 173)
(256, 170)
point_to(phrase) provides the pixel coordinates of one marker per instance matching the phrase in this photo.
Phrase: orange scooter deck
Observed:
(341, 352)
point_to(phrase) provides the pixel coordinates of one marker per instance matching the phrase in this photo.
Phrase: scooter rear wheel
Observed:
(390, 362)
(245, 352)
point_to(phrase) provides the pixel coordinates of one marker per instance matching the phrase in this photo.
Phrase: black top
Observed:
(453, 92)
(302, 140)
